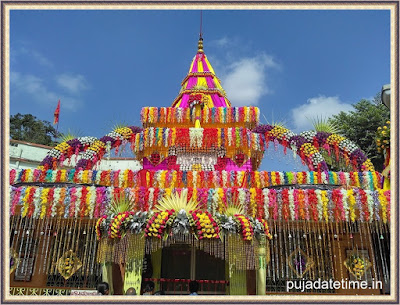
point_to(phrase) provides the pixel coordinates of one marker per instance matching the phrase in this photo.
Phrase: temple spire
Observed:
(201, 87)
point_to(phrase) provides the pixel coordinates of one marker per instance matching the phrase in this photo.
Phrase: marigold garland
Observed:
(383, 137)
(245, 226)
(352, 204)
(116, 224)
(205, 225)
(98, 226)
(266, 228)
(158, 222)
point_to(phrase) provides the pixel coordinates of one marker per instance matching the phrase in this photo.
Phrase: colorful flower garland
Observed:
(158, 223)
(340, 146)
(115, 229)
(162, 224)
(383, 137)
(150, 116)
(206, 226)
(66, 150)
(200, 179)
(266, 228)
(306, 144)
(92, 147)
(99, 225)
(307, 203)
(245, 226)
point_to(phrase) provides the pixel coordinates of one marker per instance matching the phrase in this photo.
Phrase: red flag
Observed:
(57, 113)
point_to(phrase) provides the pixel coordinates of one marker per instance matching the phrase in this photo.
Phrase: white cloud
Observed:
(245, 80)
(72, 83)
(221, 42)
(36, 89)
(32, 54)
(317, 107)
(41, 59)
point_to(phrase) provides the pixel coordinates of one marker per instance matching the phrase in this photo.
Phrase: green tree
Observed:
(360, 125)
(26, 127)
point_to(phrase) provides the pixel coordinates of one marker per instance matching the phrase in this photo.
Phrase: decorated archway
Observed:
(307, 145)
(93, 148)
(151, 143)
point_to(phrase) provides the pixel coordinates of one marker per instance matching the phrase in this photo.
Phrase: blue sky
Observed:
(106, 65)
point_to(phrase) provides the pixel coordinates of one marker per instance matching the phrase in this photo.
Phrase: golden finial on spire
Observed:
(200, 46)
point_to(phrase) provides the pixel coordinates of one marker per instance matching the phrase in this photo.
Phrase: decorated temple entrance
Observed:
(199, 209)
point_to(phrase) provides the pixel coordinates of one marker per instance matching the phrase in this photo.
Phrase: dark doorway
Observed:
(176, 271)
(175, 262)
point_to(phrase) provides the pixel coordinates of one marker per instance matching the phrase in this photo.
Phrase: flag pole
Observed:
(57, 115)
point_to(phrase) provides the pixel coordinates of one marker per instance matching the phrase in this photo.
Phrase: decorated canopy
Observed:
(201, 85)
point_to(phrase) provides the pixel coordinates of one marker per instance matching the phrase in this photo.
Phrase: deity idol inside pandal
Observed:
(199, 209)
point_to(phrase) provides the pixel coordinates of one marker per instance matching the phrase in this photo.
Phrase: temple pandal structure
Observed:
(199, 209)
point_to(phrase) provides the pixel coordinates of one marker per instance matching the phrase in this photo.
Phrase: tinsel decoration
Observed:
(241, 254)
(134, 261)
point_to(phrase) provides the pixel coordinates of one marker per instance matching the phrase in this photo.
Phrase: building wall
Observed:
(26, 155)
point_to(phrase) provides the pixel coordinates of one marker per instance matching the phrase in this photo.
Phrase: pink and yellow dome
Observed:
(201, 85)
